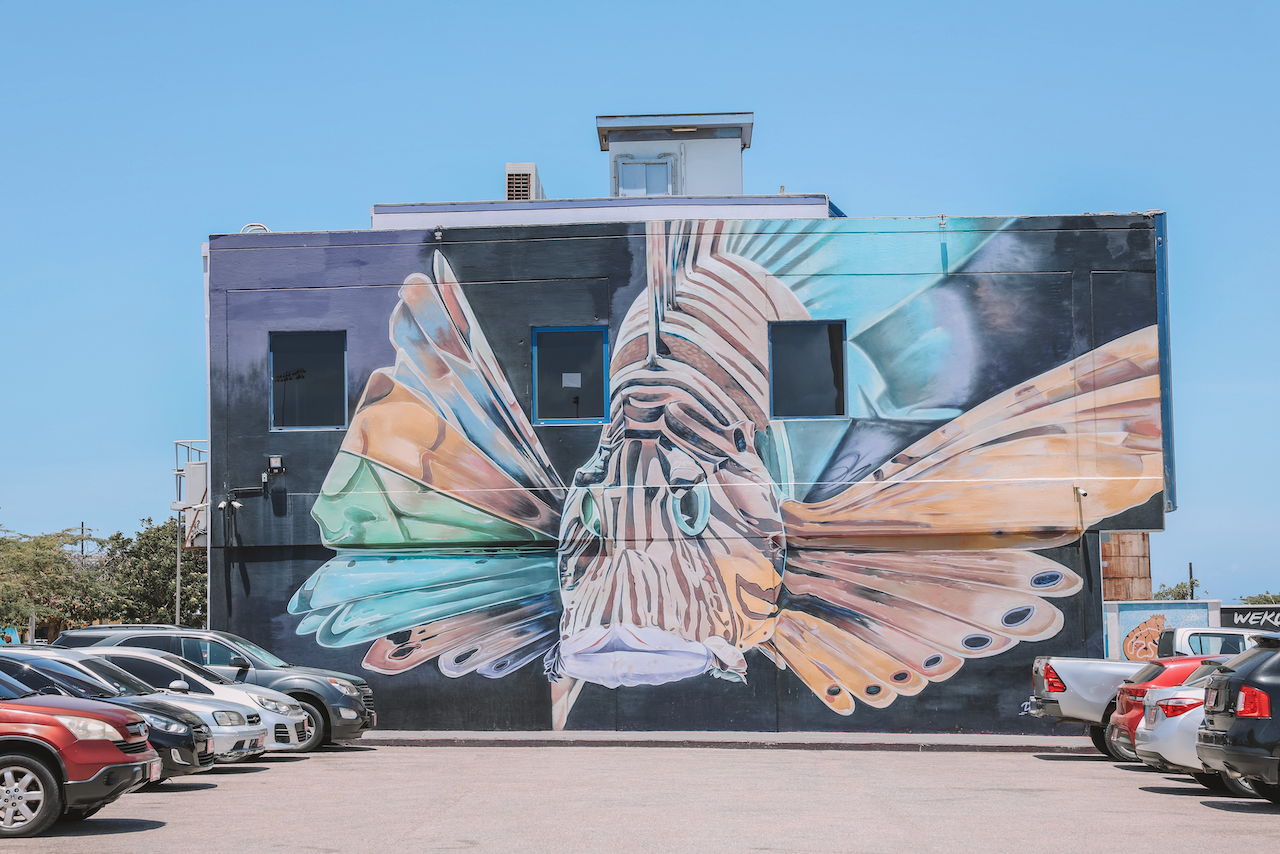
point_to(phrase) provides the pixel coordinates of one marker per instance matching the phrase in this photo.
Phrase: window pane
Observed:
(656, 179)
(570, 372)
(308, 379)
(149, 642)
(631, 179)
(150, 672)
(806, 365)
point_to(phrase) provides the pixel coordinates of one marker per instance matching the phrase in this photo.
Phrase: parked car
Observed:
(181, 738)
(280, 714)
(66, 758)
(338, 706)
(1239, 736)
(1083, 690)
(1160, 673)
(235, 730)
(1165, 737)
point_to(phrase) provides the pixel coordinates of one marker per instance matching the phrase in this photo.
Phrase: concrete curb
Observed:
(913, 746)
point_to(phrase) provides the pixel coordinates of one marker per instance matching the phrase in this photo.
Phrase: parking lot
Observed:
(618, 799)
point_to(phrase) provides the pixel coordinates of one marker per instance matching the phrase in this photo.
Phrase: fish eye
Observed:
(692, 508)
(739, 441)
(589, 513)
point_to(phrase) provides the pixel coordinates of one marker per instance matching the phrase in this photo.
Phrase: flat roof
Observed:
(674, 122)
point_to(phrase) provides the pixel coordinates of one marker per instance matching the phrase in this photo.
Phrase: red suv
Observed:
(61, 757)
(1159, 673)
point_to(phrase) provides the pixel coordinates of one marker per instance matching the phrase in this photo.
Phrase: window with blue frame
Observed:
(308, 380)
(570, 375)
(806, 369)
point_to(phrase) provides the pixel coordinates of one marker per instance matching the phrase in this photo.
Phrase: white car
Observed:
(1165, 738)
(283, 718)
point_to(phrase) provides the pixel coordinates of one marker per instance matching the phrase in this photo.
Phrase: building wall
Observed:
(1126, 565)
(692, 562)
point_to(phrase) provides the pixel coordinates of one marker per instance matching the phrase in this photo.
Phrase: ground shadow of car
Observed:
(101, 827)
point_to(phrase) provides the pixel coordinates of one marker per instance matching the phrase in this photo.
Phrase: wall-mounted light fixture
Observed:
(275, 464)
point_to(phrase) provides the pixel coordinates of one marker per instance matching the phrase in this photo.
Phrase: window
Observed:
(208, 653)
(570, 383)
(806, 369)
(1208, 644)
(644, 179)
(149, 642)
(154, 673)
(308, 380)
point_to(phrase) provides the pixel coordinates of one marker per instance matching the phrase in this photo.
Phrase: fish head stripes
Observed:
(671, 542)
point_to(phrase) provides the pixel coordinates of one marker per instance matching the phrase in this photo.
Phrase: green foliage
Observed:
(1181, 590)
(1267, 598)
(39, 578)
(140, 572)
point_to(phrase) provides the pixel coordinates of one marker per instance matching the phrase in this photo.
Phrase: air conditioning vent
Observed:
(518, 186)
(522, 183)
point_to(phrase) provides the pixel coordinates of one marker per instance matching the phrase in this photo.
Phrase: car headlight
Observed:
(88, 729)
(344, 686)
(271, 705)
(164, 724)
(228, 718)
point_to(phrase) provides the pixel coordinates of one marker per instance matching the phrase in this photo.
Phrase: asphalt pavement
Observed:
(564, 799)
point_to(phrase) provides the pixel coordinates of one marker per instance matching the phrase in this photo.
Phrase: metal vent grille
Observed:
(519, 186)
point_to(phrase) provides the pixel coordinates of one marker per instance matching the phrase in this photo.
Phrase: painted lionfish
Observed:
(685, 541)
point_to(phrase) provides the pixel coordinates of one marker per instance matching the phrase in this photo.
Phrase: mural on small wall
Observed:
(871, 553)
(1140, 624)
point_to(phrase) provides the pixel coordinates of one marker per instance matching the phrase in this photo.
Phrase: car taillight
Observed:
(1253, 703)
(1173, 708)
(1129, 698)
(1053, 684)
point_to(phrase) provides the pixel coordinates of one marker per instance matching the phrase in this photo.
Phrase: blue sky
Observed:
(130, 132)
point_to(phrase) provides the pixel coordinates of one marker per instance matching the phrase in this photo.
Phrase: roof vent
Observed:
(522, 183)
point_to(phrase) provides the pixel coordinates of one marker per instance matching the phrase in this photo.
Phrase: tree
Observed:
(141, 570)
(1267, 598)
(39, 583)
(1181, 590)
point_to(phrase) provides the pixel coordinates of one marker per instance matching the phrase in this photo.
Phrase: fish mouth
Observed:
(618, 655)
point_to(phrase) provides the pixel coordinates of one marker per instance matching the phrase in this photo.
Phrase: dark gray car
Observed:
(338, 706)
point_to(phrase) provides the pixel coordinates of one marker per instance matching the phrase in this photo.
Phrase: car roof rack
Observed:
(116, 627)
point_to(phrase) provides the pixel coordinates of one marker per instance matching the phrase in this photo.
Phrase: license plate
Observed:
(154, 771)
(261, 740)
(1151, 716)
(1210, 698)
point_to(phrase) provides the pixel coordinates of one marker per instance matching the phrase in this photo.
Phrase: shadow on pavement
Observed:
(1196, 790)
(1071, 757)
(235, 769)
(282, 759)
(102, 826)
(339, 747)
(1129, 766)
(1245, 806)
(165, 788)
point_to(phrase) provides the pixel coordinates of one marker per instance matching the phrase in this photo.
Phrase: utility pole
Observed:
(1191, 576)
(177, 597)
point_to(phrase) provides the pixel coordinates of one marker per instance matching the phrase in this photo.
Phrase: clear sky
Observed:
(131, 131)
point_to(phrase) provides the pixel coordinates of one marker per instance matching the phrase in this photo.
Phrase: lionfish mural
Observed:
(688, 538)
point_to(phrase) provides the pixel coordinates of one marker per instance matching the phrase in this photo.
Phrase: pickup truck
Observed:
(1083, 690)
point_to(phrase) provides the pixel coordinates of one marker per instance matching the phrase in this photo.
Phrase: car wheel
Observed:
(1120, 750)
(1267, 790)
(1210, 781)
(315, 727)
(1098, 734)
(1239, 788)
(29, 796)
(80, 813)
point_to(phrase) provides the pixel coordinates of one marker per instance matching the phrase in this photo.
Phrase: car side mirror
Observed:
(179, 685)
(238, 662)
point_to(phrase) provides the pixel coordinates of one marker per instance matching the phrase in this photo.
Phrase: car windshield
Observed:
(257, 651)
(1205, 668)
(1244, 658)
(124, 683)
(195, 669)
(1146, 674)
(12, 689)
(76, 681)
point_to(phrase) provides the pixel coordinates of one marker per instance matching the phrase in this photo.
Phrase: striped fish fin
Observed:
(1032, 467)
(870, 627)
(439, 452)
(489, 614)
